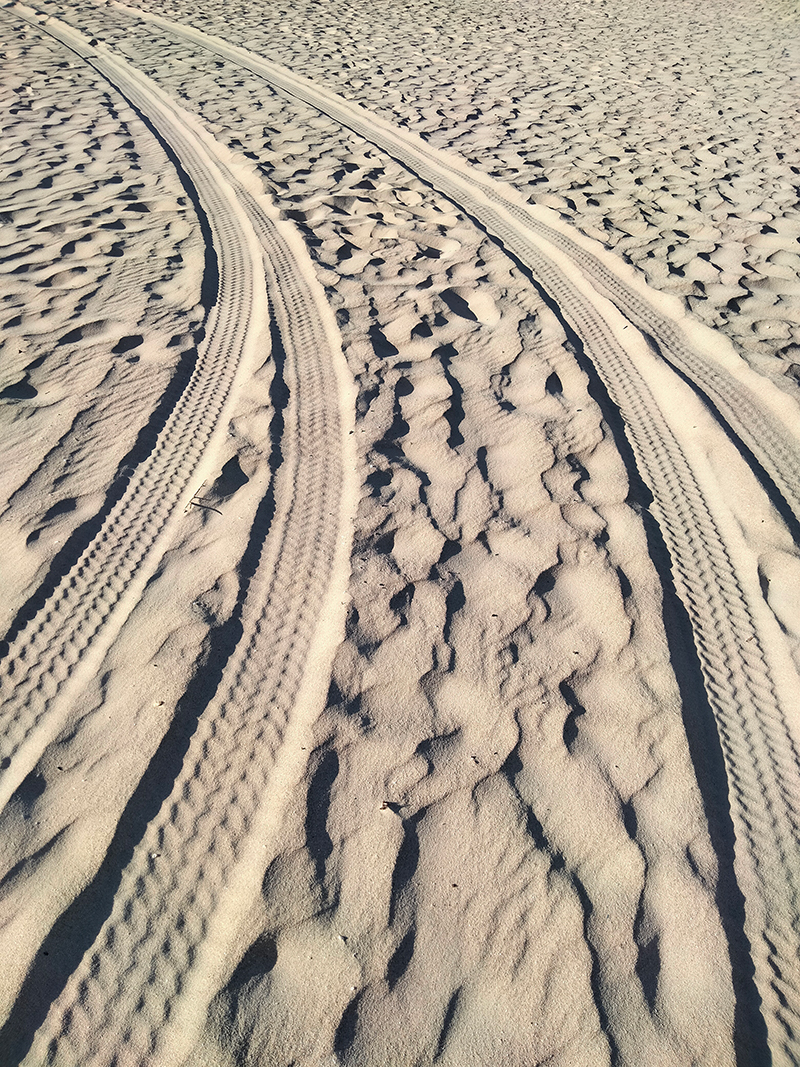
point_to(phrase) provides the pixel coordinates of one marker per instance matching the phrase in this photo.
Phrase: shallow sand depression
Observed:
(400, 535)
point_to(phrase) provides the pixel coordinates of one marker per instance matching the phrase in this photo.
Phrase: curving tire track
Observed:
(193, 869)
(203, 854)
(745, 676)
(766, 433)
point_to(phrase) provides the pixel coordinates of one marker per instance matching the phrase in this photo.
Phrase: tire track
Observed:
(743, 672)
(194, 870)
(61, 647)
(140, 992)
(766, 429)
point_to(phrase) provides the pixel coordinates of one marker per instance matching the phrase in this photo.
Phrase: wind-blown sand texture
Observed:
(400, 533)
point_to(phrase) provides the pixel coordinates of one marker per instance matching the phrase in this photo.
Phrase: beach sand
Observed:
(400, 534)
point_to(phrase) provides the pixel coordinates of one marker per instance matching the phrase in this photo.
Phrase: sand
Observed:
(400, 535)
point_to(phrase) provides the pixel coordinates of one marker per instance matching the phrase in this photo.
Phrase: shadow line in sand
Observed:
(76, 930)
(318, 802)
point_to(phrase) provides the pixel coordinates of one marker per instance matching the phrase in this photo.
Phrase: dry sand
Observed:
(400, 534)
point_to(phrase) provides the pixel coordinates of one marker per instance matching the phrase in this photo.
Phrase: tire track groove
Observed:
(763, 434)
